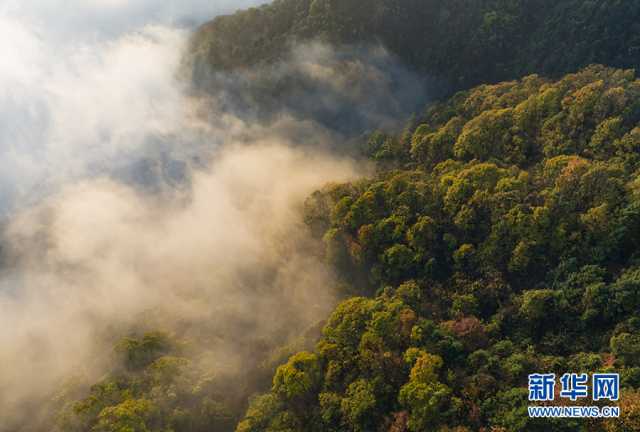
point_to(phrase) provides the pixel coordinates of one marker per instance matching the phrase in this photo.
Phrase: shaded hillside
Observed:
(505, 242)
(466, 42)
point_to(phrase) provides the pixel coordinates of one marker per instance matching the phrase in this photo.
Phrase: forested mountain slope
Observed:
(465, 42)
(499, 236)
(505, 241)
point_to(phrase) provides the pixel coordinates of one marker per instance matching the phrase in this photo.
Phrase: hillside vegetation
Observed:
(465, 42)
(499, 237)
(504, 242)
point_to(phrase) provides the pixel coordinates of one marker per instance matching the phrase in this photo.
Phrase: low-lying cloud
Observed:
(229, 252)
(347, 89)
(84, 109)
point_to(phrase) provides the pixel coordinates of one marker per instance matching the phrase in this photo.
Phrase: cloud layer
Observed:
(87, 87)
(229, 254)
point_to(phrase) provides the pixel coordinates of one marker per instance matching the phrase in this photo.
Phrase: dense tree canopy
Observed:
(466, 42)
(502, 241)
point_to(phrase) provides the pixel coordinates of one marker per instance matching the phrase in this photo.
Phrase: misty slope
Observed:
(505, 241)
(499, 236)
(464, 42)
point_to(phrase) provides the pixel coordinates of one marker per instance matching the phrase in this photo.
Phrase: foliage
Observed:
(152, 388)
(508, 247)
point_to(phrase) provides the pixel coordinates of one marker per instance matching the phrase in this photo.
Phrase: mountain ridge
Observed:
(465, 42)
